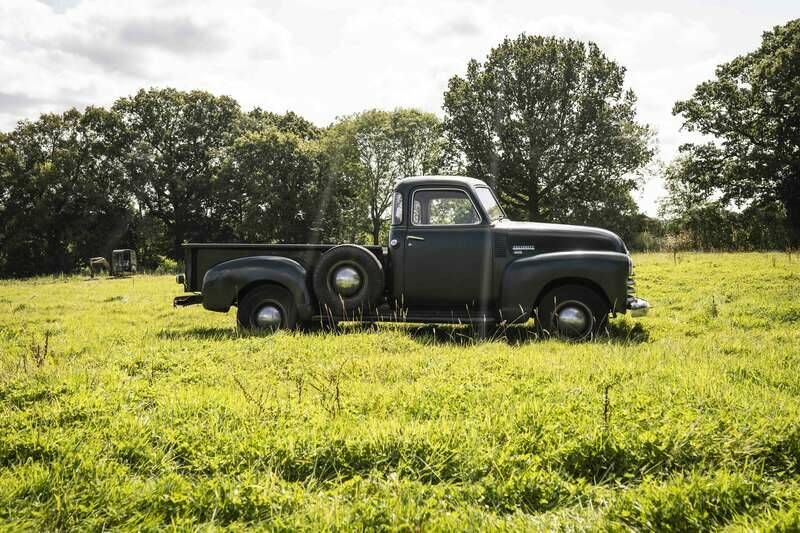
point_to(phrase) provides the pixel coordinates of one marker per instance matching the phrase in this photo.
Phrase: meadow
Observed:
(119, 411)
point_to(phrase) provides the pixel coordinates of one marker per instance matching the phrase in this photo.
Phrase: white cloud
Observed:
(324, 59)
(98, 51)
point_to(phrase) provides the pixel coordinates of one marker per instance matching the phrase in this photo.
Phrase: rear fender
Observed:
(526, 279)
(223, 283)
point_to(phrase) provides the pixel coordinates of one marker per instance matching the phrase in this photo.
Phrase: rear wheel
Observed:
(268, 308)
(571, 312)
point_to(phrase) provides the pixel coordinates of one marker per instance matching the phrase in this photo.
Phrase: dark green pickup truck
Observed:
(452, 257)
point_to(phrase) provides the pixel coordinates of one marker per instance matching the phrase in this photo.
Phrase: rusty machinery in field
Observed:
(123, 263)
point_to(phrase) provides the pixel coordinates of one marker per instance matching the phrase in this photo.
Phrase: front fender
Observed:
(525, 279)
(223, 282)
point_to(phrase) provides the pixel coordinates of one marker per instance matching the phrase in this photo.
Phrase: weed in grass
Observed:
(257, 401)
(37, 354)
(713, 308)
(607, 402)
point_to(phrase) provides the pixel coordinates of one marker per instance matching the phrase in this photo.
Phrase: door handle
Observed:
(415, 238)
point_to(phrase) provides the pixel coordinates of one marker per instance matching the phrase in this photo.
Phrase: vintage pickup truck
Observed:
(452, 257)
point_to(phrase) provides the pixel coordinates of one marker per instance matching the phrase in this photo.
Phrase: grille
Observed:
(631, 287)
(500, 245)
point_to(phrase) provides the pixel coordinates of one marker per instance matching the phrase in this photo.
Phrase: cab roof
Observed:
(407, 183)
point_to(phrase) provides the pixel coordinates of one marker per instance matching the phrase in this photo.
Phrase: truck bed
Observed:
(202, 256)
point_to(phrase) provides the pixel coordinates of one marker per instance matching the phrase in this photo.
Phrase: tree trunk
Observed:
(177, 247)
(533, 200)
(376, 232)
(791, 202)
(178, 231)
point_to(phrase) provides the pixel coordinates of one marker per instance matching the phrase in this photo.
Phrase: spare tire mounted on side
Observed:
(348, 279)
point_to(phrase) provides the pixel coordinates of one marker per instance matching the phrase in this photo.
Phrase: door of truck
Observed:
(447, 251)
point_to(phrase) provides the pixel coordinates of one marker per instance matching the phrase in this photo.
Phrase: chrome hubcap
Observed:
(572, 320)
(347, 281)
(268, 316)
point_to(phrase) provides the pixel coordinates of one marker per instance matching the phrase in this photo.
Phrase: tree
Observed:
(420, 143)
(276, 189)
(706, 221)
(289, 122)
(276, 183)
(370, 151)
(751, 109)
(62, 193)
(548, 122)
(174, 139)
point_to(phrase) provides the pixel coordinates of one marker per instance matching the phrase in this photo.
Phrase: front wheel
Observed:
(571, 312)
(267, 308)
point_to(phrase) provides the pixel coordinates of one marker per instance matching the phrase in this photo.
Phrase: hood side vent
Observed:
(500, 245)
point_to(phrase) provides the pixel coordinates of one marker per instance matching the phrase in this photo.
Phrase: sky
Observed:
(326, 59)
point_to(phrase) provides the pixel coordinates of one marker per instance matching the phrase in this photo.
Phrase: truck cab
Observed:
(440, 244)
(452, 256)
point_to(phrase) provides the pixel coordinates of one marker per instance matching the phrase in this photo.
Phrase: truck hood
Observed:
(538, 237)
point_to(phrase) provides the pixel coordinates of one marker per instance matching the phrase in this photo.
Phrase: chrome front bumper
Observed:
(638, 307)
(187, 299)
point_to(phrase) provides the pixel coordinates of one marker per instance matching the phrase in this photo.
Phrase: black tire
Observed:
(266, 295)
(587, 310)
(368, 294)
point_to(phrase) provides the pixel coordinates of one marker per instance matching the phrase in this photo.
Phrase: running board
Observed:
(424, 318)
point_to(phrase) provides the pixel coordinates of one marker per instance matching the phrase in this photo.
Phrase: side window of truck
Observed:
(397, 210)
(438, 207)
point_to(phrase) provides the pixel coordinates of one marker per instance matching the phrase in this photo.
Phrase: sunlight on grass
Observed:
(117, 410)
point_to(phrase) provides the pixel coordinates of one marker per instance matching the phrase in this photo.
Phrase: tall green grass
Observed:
(138, 415)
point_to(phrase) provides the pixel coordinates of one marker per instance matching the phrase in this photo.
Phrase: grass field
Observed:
(143, 416)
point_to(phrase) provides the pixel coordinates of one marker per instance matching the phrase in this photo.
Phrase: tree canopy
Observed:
(751, 113)
(273, 187)
(62, 192)
(172, 145)
(549, 122)
(370, 151)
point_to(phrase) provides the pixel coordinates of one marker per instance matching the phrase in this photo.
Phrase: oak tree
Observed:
(550, 124)
(174, 139)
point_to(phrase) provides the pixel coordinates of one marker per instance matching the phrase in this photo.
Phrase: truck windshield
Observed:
(489, 203)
